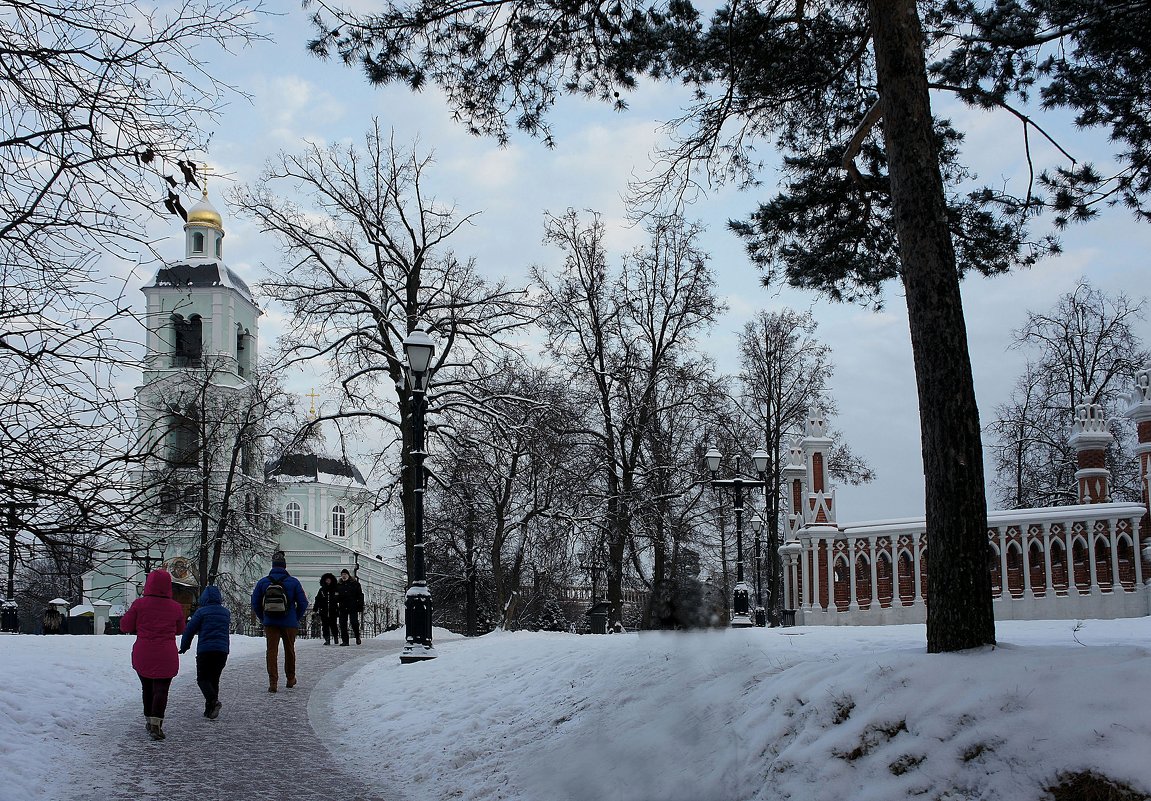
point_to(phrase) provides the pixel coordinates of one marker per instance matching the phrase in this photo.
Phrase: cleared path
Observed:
(263, 745)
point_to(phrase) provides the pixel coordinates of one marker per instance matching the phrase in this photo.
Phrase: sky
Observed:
(805, 713)
(295, 98)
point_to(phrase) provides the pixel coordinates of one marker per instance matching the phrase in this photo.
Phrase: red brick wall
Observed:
(1091, 458)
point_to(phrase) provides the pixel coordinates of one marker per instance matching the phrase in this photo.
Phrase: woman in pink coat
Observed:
(156, 620)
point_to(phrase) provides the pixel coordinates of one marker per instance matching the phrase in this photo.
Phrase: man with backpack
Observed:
(280, 603)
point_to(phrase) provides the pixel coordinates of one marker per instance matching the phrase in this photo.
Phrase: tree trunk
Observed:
(959, 612)
(470, 606)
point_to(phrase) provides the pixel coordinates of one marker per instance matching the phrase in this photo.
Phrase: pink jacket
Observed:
(156, 620)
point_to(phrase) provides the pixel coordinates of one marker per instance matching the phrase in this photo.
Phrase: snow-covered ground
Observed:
(844, 714)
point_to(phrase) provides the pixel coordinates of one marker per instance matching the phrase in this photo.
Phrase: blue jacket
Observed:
(297, 600)
(211, 620)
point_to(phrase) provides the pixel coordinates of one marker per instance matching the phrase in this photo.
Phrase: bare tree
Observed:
(784, 370)
(368, 261)
(511, 490)
(620, 335)
(99, 101)
(207, 471)
(1083, 350)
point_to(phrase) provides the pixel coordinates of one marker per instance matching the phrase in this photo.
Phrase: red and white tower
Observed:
(820, 507)
(1090, 437)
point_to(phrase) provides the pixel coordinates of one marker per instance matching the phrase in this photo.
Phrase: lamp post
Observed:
(593, 562)
(10, 614)
(419, 349)
(760, 613)
(737, 484)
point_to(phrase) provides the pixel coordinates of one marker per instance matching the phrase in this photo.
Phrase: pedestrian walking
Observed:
(155, 619)
(213, 622)
(351, 605)
(327, 607)
(278, 600)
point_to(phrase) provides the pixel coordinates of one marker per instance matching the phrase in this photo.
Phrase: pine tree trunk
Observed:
(959, 612)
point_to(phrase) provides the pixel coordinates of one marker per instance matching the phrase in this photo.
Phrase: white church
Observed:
(201, 351)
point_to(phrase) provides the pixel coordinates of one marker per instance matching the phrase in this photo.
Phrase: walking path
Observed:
(263, 745)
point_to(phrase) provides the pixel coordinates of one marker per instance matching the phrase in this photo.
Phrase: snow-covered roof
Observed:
(201, 274)
(310, 468)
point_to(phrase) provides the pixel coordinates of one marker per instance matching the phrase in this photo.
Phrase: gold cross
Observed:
(313, 395)
(205, 169)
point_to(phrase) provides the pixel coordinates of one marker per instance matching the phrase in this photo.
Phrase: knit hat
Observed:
(278, 559)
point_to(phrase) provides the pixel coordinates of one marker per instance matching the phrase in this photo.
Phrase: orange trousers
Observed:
(274, 634)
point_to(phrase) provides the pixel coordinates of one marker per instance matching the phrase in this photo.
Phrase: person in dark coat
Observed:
(213, 622)
(351, 605)
(282, 626)
(327, 607)
(155, 619)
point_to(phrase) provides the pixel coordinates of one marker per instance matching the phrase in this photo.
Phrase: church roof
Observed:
(204, 213)
(310, 467)
(209, 274)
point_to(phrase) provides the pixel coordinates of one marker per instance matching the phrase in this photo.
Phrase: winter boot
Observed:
(157, 730)
(214, 711)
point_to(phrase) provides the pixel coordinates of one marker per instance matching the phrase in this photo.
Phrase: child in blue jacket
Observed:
(213, 622)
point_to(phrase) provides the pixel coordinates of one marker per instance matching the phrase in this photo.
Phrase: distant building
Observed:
(203, 334)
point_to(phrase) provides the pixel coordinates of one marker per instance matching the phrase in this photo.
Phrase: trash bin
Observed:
(55, 619)
(597, 617)
(787, 617)
(10, 617)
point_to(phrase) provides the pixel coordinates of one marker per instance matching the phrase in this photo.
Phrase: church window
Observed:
(188, 346)
(292, 514)
(339, 522)
(219, 240)
(197, 242)
(183, 439)
(169, 499)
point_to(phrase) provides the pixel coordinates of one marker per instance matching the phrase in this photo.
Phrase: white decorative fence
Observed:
(1066, 562)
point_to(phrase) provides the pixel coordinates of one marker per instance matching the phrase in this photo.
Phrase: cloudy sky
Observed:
(295, 98)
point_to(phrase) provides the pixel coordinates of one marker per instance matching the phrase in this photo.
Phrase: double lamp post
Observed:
(739, 484)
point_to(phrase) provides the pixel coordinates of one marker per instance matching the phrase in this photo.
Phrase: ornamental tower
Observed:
(1090, 437)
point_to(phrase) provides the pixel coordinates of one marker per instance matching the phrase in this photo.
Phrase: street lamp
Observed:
(9, 611)
(760, 613)
(739, 607)
(419, 349)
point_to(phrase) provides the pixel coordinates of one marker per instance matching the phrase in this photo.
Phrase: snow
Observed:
(804, 713)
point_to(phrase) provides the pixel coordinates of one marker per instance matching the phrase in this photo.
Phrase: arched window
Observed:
(188, 344)
(339, 522)
(183, 439)
(886, 589)
(1126, 556)
(1103, 575)
(906, 578)
(169, 499)
(1037, 569)
(197, 242)
(842, 592)
(863, 581)
(1058, 567)
(292, 514)
(1081, 564)
(1014, 570)
(219, 246)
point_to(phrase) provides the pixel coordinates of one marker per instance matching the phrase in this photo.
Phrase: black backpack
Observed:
(275, 597)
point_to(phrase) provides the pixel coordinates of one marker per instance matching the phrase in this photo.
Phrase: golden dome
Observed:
(204, 213)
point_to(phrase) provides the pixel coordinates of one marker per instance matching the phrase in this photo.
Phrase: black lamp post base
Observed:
(10, 618)
(417, 652)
